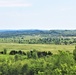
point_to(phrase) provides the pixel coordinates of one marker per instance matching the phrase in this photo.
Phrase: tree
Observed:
(65, 42)
(34, 55)
(74, 53)
(5, 51)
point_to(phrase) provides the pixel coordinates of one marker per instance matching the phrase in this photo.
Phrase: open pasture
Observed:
(40, 47)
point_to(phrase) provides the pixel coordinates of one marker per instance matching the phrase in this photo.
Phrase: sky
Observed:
(37, 14)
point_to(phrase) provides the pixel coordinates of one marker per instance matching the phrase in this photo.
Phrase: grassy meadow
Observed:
(40, 47)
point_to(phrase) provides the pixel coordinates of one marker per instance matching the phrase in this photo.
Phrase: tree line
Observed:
(51, 40)
(29, 54)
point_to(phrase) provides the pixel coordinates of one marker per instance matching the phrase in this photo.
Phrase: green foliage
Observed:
(32, 54)
(58, 64)
(29, 55)
(17, 57)
(74, 53)
(24, 69)
(5, 51)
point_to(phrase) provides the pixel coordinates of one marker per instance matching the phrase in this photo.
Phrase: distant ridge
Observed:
(11, 33)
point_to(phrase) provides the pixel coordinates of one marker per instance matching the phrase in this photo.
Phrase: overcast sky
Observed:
(38, 14)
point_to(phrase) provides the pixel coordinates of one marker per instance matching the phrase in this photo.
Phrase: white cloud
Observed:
(14, 4)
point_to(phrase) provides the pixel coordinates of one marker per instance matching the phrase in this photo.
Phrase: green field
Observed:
(39, 47)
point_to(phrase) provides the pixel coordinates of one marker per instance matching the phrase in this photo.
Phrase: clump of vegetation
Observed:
(5, 51)
(74, 53)
(37, 54)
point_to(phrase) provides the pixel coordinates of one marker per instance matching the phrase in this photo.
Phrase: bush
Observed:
(74, 53)
(5, 51)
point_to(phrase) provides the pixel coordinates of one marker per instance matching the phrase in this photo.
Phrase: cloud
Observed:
(14, 4)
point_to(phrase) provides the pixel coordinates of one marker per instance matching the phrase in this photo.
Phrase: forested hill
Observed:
(11, 33)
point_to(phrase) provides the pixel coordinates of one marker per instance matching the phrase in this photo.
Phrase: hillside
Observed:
(11, 33)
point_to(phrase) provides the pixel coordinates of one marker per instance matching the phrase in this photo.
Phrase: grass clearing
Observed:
(39, 47)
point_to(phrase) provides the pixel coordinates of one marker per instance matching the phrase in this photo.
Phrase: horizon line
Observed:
(35, 29)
